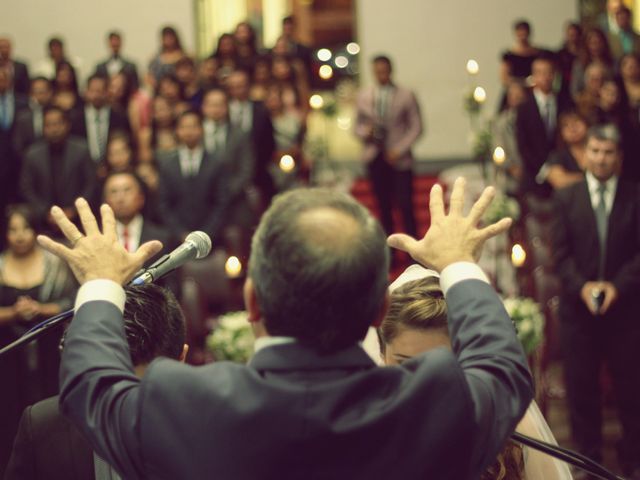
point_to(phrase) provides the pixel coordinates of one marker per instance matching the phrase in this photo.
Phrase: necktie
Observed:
(125, 239)
(601, 224)
(100, 137)
(548, 122)
(4, 113)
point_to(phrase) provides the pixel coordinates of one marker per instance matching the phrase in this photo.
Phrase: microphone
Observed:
(196, 245)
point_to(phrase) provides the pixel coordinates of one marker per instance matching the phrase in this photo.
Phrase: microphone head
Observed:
(201, 241)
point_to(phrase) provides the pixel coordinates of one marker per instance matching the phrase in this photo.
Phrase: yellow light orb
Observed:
(233, 267)
(518, 255)
(472, 67)
(316, 101)
(287, 163)
(344, 123)
(353, 48)
(479, 95)
(324, 54)
(326, 72)
(499, 156)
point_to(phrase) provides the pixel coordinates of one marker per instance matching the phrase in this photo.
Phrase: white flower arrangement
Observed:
(232, 339)
(502, 206)
(528, 319)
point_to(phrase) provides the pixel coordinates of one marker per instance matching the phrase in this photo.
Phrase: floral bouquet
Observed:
(232, 339)
(528, 319)
(502, 206)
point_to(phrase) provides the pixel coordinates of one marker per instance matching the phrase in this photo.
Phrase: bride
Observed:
(417, 322)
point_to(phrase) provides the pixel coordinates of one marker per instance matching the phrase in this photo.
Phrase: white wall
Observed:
(84, 24)
(430, 42)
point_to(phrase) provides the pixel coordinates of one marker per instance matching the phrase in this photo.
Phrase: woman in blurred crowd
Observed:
(595, 49)
(65, 88)
(566, 164)
(160, 135)
(170, 52)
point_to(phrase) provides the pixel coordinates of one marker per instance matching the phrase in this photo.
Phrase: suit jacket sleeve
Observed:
(22, 461)
(627, 280)
(103, 402)
(241, 167)
(363, 120)
(494, 365)
(563, 258)
(414, 126)
(29, 184)
(166, 198)
(219, 203)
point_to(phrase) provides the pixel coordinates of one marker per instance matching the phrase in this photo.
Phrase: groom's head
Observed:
(318, 269)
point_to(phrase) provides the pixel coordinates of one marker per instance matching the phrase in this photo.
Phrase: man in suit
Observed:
(116, 63)
(48, 446)
(253, 118)
(311, 403)
(597, 256)
(29, 121)
(97, 121)
(57, 169)
(232, 147)
(537, 125)
(625, 40)
(11, 104)
(389, 123)
(18, 71)
(295, 48)
(193, 188)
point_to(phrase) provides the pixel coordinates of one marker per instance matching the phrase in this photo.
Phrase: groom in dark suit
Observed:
(597, 256)
(311, 403)
(116, 63)
(48, 446)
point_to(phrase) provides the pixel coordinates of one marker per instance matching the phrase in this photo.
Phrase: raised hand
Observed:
(96, 254)
(453, 237)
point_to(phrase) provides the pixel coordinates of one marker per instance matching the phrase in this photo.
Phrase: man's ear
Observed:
(183, 355)
(251, 302)
(382, 312)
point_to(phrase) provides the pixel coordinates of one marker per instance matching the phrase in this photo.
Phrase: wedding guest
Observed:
(187, 76)
(18, 71)
(170, 52)
(246, 46)
(160, 136)
(208, 77)
(295, 90)
(34, 285)
(57, 169)
(48, 67)
(566, 165)
(135, 104)
(596, 249)
(625, 40)
(416, 323)
(293, 46)
(569, 52)
(261, 79)
(588, 99)
(518, 60)
(630, 76)
(117, 64)
(66, 93)
(28, 125)
(595, 49)
(170, 88)
(226, 54)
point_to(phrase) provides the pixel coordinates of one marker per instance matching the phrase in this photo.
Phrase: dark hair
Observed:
(585, 56)
(40, 78)
(168, 30)
(188, 113)
(98, 76)
(313, 282)
(215, 89)
(130, 173)
(55, 41)
(417, 305)
(289, 19)
(624, 9)
(186, 60)
(170, 77)
(383, 59)
(518, 24)
(25, 211)
(547, 57)
(54, 108)
(217, 54)
(114, 33)
(74, 77)
(605, 132)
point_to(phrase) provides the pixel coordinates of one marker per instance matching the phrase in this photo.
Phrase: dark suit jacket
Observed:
(128, 68)
(9, 156)
(297, 414)
(533, 142)
(49, 447)
(117, 121)
(21, 81)
(577, 250)
(264, 146)
(23, 133)
(197, 203)
(78, 171)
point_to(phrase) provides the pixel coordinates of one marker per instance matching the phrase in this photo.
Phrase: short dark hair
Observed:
(114, 33)
(519, 24)
(383, 59)
(289, 19)
(188, 113)
(548, 57)
(40, 78)
(97, 76)
(605, 132)
(54, 108)
(130, 173)
(322, 287)
(153, 323)
(55, 41)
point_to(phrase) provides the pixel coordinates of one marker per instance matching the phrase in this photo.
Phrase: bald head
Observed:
(319, 266)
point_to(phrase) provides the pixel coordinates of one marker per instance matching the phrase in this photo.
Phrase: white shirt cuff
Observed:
(459, 271)
(106, 290)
